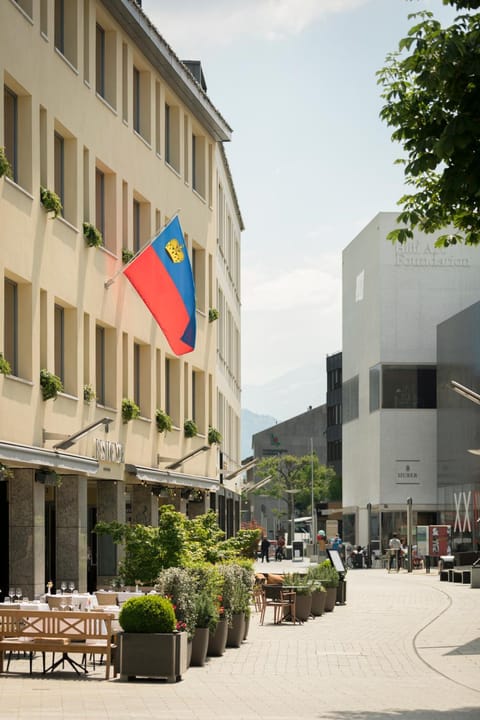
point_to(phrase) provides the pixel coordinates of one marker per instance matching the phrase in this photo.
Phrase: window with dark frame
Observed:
(59, 342)
(136, 100)
(100, 364)
(10, 339)
(100, 202)
(59, 167)
(136, 373)
(60, 25)
(100, 60)
(10, 115)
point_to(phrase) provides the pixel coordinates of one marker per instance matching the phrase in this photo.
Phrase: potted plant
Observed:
(150, 645)
(319, 593)
(178, 585)
(127, 255)
(328, 576)
(163, 421)
(190, 428)
(130, 410)
(88, 393)
(50, 383)
(5, 368)
(50, 201)
(214, 436)
(93, 236)
(205, 623)
(213, 314)
(5, 167)
(302, 586)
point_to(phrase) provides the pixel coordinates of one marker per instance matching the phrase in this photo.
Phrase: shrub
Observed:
(51, 201)
(190, 428)
(130, 410)
(206, 611)
(163, 421)
(147, 614)
(127, 255)
(5, 368)
(326, 573)
(93, 237)
(213, 314)
(214, 436)
(88, 393)
(5, 167)
(178, 585)
(50, 383)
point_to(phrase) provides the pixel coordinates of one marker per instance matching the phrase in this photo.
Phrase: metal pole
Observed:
(369, 535)
(409, 533)
(314, 512)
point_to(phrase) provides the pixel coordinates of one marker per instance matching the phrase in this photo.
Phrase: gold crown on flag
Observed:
(175, 251)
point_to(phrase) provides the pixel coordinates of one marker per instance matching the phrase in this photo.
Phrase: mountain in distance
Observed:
(251, 424)
(280, 399)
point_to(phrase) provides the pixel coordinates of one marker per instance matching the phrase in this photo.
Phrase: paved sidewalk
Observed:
(403, 646)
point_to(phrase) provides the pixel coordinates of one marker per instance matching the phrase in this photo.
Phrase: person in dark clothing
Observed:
(279, 553)
(264, 547)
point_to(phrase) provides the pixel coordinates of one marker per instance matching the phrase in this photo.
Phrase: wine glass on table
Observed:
(18, 593)
(11, 594)
(71, 586)
(63, 586)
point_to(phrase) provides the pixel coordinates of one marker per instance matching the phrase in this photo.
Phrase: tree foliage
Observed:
(431, 88)
(291, 472)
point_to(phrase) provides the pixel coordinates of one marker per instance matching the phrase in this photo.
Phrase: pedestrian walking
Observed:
(394, 549)
(264, 548)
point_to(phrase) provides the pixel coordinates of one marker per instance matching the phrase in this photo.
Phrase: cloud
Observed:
(220, 22)
(315, 285)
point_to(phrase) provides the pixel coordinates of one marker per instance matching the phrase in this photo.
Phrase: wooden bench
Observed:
(78, 632)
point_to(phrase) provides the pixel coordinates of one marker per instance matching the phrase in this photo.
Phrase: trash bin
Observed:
(297, 550)
(475, 576)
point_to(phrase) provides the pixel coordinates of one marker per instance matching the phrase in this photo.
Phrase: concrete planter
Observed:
(154, 655)
(303, 607)
(217, 641)
(331, 599)
(318, 602)
(199, 647)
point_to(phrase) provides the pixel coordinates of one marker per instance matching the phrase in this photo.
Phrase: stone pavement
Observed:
(403, 646)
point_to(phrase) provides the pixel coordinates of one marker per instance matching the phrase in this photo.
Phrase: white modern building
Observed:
(394, 297)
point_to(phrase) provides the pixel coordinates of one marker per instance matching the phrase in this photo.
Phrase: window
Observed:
(198, 399)
(100, 60)
(66, 29)
(172, 389)
(335, 379)
(350, 399)
(26, 6)
(105, 206)
(141, 103)
(59, 341)
(409, 387)
(334, 450)
(334, 415)
(136, 373)
(198, 164)
(198, 270)
(10, 347)
(100, 354)
(59, 167)
(141, 378)
(141, 223)
(10, 104)
(100, 202)
(172, 136)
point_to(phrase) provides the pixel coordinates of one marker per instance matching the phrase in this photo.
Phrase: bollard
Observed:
(427, 564)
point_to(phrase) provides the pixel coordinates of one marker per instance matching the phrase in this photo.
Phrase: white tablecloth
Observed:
(126, 595)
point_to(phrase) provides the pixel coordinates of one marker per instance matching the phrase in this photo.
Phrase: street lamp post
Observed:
(314, 512)
(292, 516)
(409, 533)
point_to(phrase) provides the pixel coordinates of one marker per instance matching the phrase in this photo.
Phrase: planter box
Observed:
(303, 607)
(331, 599)
(217, 641)
(199, 647)
(155, 655)
(236, 631)
(318, 602)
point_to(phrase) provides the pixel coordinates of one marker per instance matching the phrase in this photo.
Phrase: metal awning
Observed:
(35, 456)
(168, 478)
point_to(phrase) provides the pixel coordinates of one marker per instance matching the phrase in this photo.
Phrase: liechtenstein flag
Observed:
(162, 276)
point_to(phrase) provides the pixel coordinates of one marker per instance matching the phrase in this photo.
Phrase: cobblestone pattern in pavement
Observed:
(403, 646)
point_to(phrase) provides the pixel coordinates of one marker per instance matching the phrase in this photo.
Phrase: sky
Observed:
(311, 161)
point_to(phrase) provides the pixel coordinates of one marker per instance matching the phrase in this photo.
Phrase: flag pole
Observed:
(111, 280)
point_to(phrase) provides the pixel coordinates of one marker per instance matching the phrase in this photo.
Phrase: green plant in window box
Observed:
(214, 436)
(88, 393)
(127, 255)
(50, 201)
(93, 237)
(213, 314)
(5, 368)
(50, 383)
(190, 428)
(163, 420)
(5, 167)
(130, 410)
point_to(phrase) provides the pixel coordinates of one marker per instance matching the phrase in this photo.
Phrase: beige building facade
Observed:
(97, 108)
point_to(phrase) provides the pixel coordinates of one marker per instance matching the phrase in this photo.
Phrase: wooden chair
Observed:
(282, 602)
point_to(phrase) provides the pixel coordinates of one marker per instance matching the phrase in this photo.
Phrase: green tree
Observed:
(290, 472)
(431, 88)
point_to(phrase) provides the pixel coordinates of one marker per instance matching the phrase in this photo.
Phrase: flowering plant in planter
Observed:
(5, 167)
(50, 201)
(214, 436)
(163, 421)
(93, 236)
(190, 428)
(5, 368)
(130, 410)
(50, 383)
(178, 585)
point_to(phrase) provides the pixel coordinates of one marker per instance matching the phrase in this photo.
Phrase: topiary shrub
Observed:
(147, 614)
